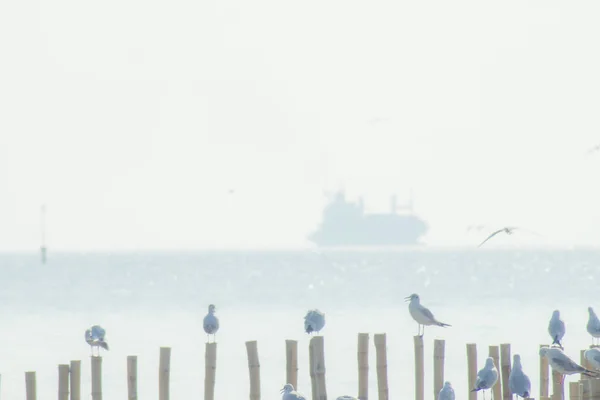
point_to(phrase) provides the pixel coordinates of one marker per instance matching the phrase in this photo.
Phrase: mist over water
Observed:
(148, 300)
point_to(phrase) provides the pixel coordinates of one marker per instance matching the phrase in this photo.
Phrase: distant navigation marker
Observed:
(43, 227)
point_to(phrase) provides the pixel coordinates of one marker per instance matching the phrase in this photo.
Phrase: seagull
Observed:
(556, 328)
(593, 325)
(421, 314)
(290, 394)
(486, 377)
(593, 357)
(519, 383)
(562, 364)
(508, 230)
(314, 321)
(211, 323)
(447, 393)
(95, 338)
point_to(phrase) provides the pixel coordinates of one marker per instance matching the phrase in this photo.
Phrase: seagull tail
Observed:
(475, 390)
(103, 344)
(556, 341)
(443, 324)
(526, 395)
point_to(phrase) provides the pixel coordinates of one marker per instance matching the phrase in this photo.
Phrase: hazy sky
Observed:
(132, 119)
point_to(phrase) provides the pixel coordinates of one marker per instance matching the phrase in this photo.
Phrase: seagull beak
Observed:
(407, 298)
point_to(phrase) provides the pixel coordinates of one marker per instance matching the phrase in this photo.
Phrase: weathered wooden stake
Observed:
(164, 372)
(75, 379)
(63, 382)
(291, 362)
(419, 368)
(363, 366)
(30, 386)
(495, 354)
(472, 368)
(132, 378)
(505, 360)
(439, 353)
(317, 365)
(210, 369)
(382, 375)
(558, 390)
(96, 378)
(254, 368)
(574, 393)
(544, 375)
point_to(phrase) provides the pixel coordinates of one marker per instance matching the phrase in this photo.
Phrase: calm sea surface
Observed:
(148, 300)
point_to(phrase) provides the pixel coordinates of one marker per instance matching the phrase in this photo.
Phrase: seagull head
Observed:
(447, 384)
(412, 297)
(591, 311)
(489, 362)
(555, 314)
(288, 387)
(516, 361)
(212, 308)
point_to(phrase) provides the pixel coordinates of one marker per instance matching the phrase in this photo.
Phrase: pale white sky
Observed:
(131, 119)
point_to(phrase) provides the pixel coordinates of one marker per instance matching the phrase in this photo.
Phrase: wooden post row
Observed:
(96, 378)
(419, 368)
(495, 354)
(30, 386)
(254, 369)
(75, 380)
(210, 368)
(317, 367)
(363, 366)
(382, 375)
(63, 382)
(291, 362)
(132, 378)
(439, 353)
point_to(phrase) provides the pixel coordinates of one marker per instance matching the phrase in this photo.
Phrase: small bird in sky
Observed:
(508, 230)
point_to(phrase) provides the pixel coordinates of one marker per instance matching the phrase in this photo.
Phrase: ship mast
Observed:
(43, 231)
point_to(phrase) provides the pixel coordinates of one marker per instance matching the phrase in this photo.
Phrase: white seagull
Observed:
(593, 357)
(290, 394)
(211, 323)
(593, 325)
(95, 338)
(556, 328)
(508, 230)
(421, 314)
(562, 363)
(486, 377)
(314, 321)
(447, 392)
(519, 383)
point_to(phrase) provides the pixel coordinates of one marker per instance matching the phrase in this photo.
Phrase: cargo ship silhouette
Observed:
(346, 224)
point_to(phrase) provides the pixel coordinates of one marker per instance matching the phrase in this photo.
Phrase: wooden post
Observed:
(63, 382)
(96, 378)
(132, 378)
(254, 367)
(544, 375)
(558, 391)
(164, 372)
(363, 366)
(317, 357)
(382, 375)
(419, 368)
(472, 368)
(210, 368)
(574, 393)
(439, 353)
(495, 354)
(30, 388)
(291, 362)
(75, 380)
(505, 361)
(594, 388)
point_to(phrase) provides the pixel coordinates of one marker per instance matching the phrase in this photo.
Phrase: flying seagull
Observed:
(508, 230)
(556, 328)
(211, 323)
(314, 321)
(290, 394)
(95, 338)
(421, 314)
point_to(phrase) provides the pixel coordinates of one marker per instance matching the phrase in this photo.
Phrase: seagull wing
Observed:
(567, 364)
(491, 236)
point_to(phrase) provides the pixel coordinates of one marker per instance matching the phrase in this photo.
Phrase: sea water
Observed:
(148, 300)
